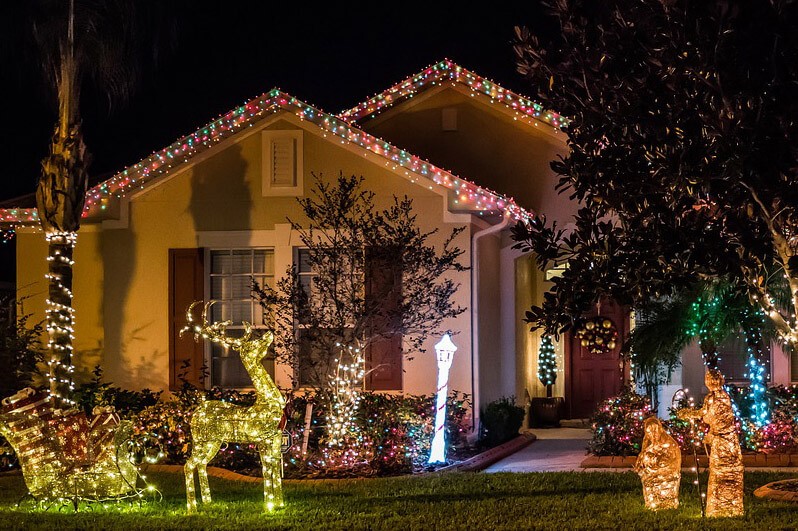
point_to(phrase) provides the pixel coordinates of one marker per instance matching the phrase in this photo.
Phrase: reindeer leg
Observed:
(277, 471)
(191, 495)
(209, 451)
(272, 495)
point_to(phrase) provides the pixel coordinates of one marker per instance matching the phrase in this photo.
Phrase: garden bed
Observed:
(784, 490)
(749, 461)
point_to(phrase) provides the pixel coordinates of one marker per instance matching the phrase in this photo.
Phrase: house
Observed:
(197, 219)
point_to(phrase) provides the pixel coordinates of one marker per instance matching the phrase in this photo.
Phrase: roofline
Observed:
(448, 71)
(470, 196)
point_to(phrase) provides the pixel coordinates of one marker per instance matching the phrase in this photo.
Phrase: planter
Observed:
(546, 412)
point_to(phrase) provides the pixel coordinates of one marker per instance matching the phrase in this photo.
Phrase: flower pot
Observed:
(546, 412)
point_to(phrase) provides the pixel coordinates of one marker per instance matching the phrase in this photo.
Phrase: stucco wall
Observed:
(121, 274)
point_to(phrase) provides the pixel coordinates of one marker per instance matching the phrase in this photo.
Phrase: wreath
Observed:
(598, 335)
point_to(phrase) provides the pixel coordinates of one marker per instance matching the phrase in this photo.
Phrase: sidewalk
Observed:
(556, 450)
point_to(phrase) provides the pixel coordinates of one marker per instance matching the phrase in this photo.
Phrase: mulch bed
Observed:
(749, 460)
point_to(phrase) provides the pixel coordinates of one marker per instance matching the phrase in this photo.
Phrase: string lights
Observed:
(446, 71)
(216, 422)
(67, 458)
(60, 317)
(466, 195)
(345, 384)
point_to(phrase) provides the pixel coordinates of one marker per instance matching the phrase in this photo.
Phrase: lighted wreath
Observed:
(598, 335)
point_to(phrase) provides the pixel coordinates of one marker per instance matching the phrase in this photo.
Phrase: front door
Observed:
(590, 376)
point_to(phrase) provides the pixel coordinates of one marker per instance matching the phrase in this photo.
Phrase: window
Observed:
(734, 359)
(383, 356)
(231, 275)
(282, 161)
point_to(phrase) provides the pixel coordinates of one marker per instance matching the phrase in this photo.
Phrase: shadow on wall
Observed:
(118, 249)
(221, 195)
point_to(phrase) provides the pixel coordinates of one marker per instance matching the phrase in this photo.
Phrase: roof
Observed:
(468, 196)
(447, 71)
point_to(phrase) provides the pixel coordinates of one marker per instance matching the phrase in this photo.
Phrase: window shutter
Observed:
(283, 160)
(384, 355)
(186, 285)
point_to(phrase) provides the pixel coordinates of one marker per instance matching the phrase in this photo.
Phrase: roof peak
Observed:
(444, 71)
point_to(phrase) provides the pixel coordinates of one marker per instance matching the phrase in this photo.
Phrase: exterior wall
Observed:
(121, 274)
(491, 348)
(489, 147)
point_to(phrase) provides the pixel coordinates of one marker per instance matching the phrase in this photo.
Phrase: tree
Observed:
(78, 40)
(547, 364)
(366, 278)
(682, 152)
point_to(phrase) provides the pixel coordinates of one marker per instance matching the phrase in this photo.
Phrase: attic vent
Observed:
(282, 163)
(449, 119)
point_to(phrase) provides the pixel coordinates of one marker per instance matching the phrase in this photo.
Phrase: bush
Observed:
(618, 424)
(500, 421)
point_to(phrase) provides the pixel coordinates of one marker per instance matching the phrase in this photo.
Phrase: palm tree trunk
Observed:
(60, 315)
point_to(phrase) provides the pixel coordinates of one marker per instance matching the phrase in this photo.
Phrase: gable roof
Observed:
(447, 71)
(469, 196)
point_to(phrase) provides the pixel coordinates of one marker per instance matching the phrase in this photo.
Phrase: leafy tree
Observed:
(105, 42)
(375, 278)
(682, 153)
(20, 348)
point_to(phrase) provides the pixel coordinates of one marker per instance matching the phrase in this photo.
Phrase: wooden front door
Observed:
(591, 378)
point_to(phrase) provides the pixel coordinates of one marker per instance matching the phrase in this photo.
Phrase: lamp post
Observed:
(444, 350)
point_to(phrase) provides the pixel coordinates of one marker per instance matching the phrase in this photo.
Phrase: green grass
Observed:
(560, 501)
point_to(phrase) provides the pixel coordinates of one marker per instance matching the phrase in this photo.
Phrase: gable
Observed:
(477, 140)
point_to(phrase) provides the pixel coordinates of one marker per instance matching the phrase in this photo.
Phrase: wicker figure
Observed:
(659, 466)
(725, 489)
(215, 422)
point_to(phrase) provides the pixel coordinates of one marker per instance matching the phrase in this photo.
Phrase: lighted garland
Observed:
(447, 71)
(598, 335)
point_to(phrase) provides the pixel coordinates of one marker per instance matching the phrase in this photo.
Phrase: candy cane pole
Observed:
(444, 351)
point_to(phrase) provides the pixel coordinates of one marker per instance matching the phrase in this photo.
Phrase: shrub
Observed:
(618, 424)
(500, 421)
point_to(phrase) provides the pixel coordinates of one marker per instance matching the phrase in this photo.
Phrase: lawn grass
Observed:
(564, 501)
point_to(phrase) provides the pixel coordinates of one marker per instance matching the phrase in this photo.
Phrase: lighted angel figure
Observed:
(725, 489)
(659, 466)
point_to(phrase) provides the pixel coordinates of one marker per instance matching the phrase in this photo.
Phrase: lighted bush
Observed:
(618, 424)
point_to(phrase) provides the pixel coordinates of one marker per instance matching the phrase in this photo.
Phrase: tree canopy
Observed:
(683, 152)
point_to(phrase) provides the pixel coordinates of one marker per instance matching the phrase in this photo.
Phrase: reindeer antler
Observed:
(213, 331)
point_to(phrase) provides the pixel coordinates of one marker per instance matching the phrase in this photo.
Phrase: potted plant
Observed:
(546, 411)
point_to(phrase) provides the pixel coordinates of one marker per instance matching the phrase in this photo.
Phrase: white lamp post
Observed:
(444, 351)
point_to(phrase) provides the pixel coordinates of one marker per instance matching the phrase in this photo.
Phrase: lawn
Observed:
(561, 501)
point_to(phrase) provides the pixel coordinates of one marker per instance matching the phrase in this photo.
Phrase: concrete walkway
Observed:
(556, 450)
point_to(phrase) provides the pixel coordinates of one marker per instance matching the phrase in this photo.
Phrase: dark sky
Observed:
(224, 53)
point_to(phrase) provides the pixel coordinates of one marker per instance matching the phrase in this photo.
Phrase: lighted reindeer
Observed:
(215, 422)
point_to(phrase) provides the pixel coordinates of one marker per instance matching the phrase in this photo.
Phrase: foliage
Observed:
(393, 433)
(681, 151)
(618, 424)
(20, 347)
(96, 393)
(375, 275)
(500, 421)
(547, 364)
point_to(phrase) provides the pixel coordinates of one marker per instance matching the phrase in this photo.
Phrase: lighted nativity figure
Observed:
(659, 466)
(216, 422)
(725, 489)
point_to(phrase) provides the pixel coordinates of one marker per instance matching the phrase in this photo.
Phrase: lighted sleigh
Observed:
(66, 456)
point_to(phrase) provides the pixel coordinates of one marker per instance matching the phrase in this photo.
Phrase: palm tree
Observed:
(77, 40)
(710, 312)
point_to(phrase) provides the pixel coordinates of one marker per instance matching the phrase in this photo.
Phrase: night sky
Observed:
(224, 53)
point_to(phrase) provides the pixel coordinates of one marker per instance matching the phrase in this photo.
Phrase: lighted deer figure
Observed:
(215, 422)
